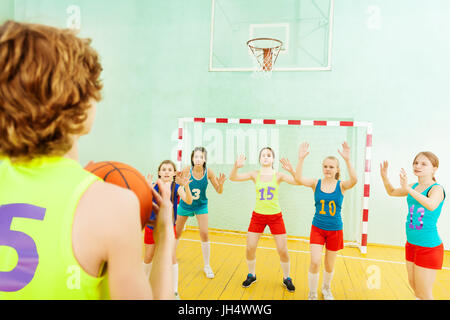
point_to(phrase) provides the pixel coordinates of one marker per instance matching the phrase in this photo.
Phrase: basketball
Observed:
(125, 176)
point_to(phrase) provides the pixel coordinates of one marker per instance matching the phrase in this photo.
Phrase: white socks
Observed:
(251, 266)
(313, 281)
(285, 266)
(147, 269)
(206, 252)
(327, 279)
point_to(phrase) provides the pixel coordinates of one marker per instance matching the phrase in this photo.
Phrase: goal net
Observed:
(226, 138)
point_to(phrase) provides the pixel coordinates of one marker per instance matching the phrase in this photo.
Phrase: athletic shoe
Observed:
(288, 284)
(312, 296)
(208, 271)
(250, 279)
(327, 295)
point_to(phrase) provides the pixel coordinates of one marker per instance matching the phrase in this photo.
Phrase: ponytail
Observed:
(172, 197)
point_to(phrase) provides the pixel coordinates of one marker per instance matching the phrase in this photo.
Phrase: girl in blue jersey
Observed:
(327, 226)
(200, 175)
(179, 186)
(424, 250)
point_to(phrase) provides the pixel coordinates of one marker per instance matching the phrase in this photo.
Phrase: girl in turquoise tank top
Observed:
(326, 229)
(200, 175)
(267, 211)
(424, 250)
(64, 234)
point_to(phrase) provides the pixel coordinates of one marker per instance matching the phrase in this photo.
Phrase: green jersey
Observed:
(267, 196)
(38, 200)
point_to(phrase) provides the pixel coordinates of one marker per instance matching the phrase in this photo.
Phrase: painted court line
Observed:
(301, 251)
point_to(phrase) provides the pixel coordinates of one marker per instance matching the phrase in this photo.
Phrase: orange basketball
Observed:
(125, 176)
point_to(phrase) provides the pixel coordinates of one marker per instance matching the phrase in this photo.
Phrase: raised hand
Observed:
(286, 164)
(221, 179)
(149, 180)
(384, 169)
(240, 161)
(403, 179)
(345, 153)
(162, 206)
(183, 178)
(303, 150)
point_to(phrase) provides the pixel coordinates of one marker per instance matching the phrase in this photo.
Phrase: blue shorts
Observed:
(190, 213)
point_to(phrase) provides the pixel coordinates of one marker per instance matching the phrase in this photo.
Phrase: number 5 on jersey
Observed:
(25, 246)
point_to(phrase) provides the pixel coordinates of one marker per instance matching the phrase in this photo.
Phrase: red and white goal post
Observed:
(362, 243)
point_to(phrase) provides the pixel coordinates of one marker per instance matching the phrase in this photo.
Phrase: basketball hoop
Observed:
(266, 52)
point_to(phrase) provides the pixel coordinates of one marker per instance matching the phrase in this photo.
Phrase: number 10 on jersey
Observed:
(331, 207)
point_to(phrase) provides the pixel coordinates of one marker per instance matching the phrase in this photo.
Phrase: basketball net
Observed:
(265, 52)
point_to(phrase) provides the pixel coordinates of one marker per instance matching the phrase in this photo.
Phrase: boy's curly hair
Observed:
(48, 78)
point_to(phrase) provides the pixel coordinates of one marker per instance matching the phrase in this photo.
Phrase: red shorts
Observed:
(259, 222)
(334, 240)
(431, 258)
(148, 236)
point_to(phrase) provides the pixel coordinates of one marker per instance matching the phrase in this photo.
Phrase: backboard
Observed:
(304, 27)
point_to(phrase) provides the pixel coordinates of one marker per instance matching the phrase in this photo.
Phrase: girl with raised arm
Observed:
(179, 189)
(267, 211)
(424, 250)
(199, 207)
(327, 226)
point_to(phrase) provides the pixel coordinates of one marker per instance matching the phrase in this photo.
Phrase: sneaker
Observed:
(312, 296)
(327, 295)
(288, 284)
(250, 279)
(177, 296)
(208, 272)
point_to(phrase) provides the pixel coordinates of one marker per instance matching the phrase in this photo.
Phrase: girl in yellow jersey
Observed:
(267, 211)
(64, 233)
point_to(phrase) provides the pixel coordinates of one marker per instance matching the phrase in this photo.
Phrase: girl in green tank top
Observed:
(64, 234)
(267, 211)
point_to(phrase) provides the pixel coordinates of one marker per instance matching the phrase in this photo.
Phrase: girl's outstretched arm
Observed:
(302, 153)
(393, 192)
(235, 176)
(286, 164)
(217, 182)
(436, 194)
(184, 192)
(345, 154)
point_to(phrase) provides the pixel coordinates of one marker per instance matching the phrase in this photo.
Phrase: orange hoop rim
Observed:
(258, 39)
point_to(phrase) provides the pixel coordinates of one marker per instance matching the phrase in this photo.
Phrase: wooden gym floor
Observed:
(355, 276)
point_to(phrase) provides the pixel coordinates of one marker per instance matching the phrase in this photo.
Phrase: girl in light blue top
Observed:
(424, 251)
